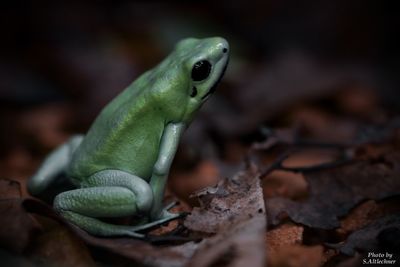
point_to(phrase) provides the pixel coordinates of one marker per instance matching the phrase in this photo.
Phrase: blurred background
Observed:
(331, 66)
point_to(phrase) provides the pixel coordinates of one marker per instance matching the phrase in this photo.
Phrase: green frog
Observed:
(121, 166)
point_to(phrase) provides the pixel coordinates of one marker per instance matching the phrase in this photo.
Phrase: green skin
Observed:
(120, 167)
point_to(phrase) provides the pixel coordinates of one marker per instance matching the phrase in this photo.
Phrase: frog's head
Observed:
(198, 65)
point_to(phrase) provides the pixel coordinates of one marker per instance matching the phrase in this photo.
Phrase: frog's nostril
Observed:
(224, 50)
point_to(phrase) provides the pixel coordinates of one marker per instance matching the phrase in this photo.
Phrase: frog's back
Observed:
(125, 136)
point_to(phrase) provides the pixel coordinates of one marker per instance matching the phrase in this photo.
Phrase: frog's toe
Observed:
(135, 234)
(171, 216)
(165, 214)
(171, 205)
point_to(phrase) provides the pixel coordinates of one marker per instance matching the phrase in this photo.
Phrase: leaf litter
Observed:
(231, 227)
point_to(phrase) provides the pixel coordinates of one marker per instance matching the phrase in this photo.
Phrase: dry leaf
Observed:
(17, 226)
(297, 256)
(380, 235)
(234, 210)
(334, 192)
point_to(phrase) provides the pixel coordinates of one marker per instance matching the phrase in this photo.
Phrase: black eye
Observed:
(201, 70)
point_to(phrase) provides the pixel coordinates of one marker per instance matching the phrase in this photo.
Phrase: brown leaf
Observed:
(297, 256)
(240, 244)
(17, 165)
(137, 251)
(334, 192)
(142, 252)
(233, 200)
(235, 211)
(359, 100)
(47, 250)
(17, 226)
(322, 125)
(287, 234)
(380, 235)
(285, 242)
(9, 189)
(286, 184)
(366, 213)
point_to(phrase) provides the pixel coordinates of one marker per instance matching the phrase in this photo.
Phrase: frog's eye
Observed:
(201, 70)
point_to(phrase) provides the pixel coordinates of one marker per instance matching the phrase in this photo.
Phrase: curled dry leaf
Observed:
(334, 192)
(233, 200)
(235, 211)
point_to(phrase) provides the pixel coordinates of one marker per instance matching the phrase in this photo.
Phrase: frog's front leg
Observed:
(106, 194)
(169, 145)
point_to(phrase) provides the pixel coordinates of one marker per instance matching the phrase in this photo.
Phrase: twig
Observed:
(317, 167)
(276, 164)
(310, 143)
(293, 142)
(347, 158)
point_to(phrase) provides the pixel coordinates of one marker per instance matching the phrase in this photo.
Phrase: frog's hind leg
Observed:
(55, 164)
(106, 194)
(83, 206)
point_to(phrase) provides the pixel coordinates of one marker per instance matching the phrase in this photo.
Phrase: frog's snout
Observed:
(220, 50)
(222, 45)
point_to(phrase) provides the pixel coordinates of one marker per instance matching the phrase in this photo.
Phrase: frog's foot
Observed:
(166, 218)
(165, 213)
(100, 228)
(171, 205)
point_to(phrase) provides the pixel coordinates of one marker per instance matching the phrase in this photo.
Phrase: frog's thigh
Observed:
(99, 201)
(140, 188)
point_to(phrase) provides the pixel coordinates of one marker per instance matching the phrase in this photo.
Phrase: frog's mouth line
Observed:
(214, 86)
